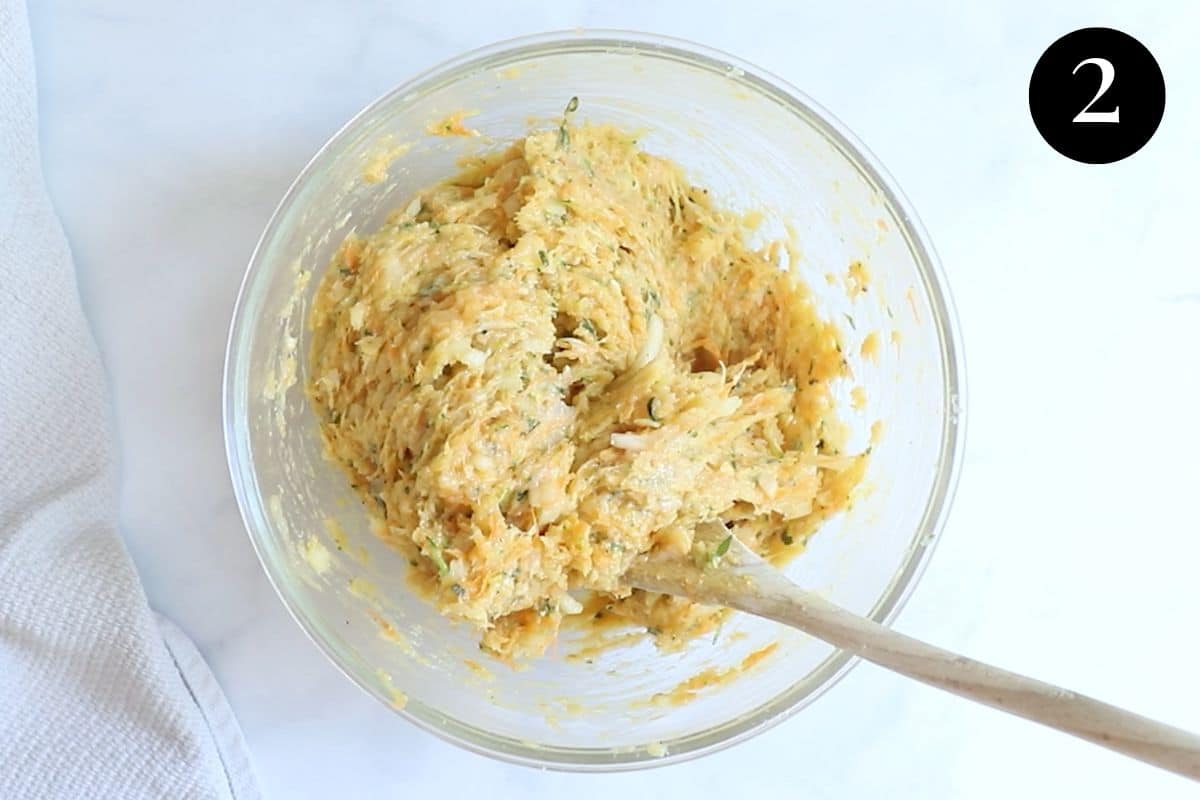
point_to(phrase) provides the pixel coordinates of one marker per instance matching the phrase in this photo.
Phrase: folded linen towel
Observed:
(98, 697)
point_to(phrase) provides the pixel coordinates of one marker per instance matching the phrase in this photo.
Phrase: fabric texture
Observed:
(97, 699)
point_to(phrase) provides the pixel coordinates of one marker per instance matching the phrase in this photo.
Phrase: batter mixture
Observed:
(565, 357)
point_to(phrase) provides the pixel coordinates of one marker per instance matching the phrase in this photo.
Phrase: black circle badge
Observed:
(1097, 95)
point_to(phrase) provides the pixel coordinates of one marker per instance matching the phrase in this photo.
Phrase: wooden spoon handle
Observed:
(1134, 735)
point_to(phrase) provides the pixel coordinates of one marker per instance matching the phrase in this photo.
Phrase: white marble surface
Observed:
(171, 129)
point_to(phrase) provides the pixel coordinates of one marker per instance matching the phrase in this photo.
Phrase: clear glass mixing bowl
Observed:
(757, 143)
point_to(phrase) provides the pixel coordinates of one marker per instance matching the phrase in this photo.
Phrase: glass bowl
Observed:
(757, 144)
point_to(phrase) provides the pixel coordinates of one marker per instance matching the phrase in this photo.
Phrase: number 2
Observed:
(1107, 73)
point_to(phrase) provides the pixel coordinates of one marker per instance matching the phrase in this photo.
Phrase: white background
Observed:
(170, 130)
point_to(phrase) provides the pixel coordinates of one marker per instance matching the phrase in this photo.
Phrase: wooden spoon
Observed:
(740, 579)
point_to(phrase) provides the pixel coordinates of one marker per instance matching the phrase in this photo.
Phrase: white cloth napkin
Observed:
(98, 698)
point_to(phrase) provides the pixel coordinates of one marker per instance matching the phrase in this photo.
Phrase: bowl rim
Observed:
(953, 434)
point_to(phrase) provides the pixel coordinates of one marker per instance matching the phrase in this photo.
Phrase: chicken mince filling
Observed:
(561, 359)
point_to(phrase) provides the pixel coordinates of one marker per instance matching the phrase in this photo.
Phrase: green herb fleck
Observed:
(715, 555)
(543, 258)
(850, 319)
(564, 136)
(787, 538)
(723, 547)
(652, 408)
(435, 555)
